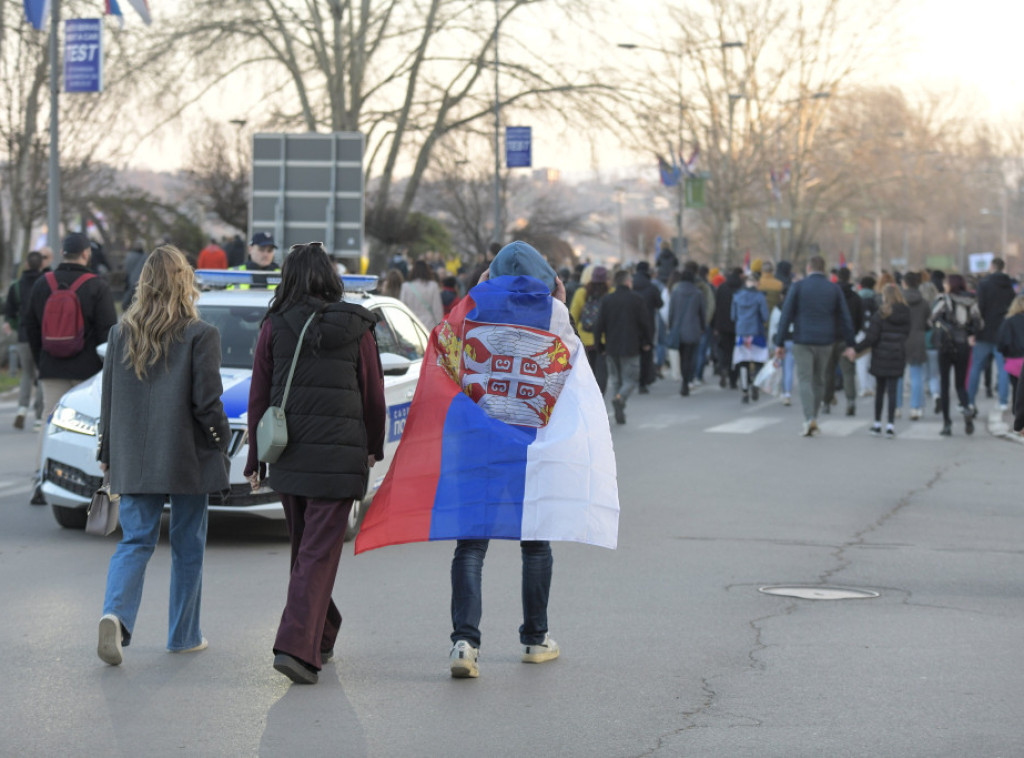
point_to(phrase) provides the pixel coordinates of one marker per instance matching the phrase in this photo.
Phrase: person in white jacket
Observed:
(423, 295)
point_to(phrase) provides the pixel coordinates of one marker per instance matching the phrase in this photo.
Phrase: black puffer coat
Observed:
(919, 313)
(887, 338)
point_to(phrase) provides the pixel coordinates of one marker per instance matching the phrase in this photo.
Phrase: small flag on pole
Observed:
(141, 7)
(669, 173)
(36, 12)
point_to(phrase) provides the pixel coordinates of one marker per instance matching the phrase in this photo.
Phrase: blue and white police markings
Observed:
(397, 414)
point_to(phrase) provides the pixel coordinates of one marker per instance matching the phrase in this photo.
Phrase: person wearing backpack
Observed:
(955, 321)
(584, 308)
(69, 314)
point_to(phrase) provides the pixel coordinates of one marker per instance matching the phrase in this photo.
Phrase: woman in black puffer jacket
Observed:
(1010, 342)
(886, 335)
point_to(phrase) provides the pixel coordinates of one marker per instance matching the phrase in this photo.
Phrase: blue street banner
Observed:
(83, 55)
(517, 147)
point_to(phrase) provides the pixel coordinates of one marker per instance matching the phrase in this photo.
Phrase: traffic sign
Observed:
(83, 55)
(779, 223)
(518, 147)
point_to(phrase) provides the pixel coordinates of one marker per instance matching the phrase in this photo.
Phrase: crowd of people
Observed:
(939, 333)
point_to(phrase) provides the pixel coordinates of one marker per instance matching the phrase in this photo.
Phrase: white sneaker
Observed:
(1004, 407)
(544, 651)
(462, 660)
(786, 400)
(109, 646)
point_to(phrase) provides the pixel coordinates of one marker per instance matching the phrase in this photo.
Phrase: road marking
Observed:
(10, 488)
(669, 421)
(922, 430)
(744, 425)
(840, 427)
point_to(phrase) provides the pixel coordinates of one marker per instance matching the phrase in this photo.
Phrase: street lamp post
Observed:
(498, 235)
(53, 190)
(681, 184)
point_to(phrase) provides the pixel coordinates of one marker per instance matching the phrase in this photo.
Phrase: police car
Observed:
(71, 472)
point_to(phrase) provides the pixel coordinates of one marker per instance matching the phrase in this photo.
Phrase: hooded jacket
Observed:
(887, 338)
(919, 312)
(328, 443)
(995, 293)
(686, 314)
(750, 312)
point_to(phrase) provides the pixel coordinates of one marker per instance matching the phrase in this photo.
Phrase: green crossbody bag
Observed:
(272, 431)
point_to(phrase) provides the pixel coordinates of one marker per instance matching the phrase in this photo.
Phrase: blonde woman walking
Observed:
(165, 436)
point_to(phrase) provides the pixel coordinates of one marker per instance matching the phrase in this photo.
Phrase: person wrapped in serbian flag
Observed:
(507, 437)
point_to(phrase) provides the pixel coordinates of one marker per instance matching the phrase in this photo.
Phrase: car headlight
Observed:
(73, 421)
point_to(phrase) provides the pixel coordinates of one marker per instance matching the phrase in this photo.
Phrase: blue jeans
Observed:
(661, 342)
(704, 352)
(916, 386)
(467, 605)
(980, 356)
(140, 525)
(787, 369)
(933, 372)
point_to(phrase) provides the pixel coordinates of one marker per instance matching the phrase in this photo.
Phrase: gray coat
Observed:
(166, 434)
(686, 314)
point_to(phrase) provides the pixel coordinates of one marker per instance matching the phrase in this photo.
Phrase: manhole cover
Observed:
(817, 592)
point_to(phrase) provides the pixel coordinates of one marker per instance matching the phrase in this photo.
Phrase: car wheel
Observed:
(70, 518)
(355, 520)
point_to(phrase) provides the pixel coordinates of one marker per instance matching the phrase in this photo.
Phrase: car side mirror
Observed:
(393, 364)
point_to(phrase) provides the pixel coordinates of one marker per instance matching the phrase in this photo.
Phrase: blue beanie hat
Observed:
(519, 259)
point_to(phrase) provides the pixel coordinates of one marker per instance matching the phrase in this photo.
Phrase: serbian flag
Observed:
(37, 12)
(141, 7)
(507, 436)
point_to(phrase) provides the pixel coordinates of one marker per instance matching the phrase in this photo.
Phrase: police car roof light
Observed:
(218, 278)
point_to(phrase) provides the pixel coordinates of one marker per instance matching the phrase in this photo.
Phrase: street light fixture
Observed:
(681, 184)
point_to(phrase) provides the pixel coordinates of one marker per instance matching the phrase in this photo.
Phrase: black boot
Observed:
(947, 429)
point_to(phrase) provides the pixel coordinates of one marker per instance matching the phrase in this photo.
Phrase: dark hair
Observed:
(692, 267)
(308, 272)
(956, 284)
(449, 281)
(494, 248)
(421, 271)
(816, 263)
(843, 275)
(867, 282)
(912, 280)
(596, 290)
(34, 260)
(620, 277)
(688, 275)
(998, 264)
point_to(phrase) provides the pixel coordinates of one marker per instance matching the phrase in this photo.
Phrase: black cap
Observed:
(263, 239)
(75, 244)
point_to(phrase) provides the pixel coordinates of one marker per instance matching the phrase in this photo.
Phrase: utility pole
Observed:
(498, 231)
(53, 239)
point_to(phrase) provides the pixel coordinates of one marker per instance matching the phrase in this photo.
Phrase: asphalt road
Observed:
(669, 649)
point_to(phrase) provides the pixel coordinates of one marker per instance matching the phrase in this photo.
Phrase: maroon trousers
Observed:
(311, 621)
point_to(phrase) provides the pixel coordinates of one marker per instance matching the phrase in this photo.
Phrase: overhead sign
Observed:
(517, 147)
(309, 188)
(979, 263)
(83, 55)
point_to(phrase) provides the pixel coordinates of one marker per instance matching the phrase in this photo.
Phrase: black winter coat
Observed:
(623, 326)
(327, 438)
(887, 338)
(722, 321)
(919, 313)
(855, 304)
(1010, 337)
(995, 293)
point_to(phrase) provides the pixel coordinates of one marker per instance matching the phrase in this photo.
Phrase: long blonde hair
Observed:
(890, 296)
(1016, 306)
(163, 306)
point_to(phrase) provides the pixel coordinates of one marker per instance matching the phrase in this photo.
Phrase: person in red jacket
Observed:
(212, 256)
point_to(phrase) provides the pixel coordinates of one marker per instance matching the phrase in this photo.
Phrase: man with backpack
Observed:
(69, 314)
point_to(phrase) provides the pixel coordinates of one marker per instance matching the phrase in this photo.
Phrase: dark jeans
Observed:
(886, 385)
(311, 621)
(599, 366)
(726, 344)
(687, 354)
(467, 605)
(958, 362)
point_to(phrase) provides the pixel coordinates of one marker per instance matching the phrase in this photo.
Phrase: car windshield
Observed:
(239, 327)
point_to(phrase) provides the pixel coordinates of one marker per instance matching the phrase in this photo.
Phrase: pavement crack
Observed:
(859, 539)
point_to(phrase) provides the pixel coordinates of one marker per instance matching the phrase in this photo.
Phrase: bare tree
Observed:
(403, 73)
(219, 171)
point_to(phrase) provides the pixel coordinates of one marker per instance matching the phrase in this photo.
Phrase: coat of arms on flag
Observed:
(507, 436)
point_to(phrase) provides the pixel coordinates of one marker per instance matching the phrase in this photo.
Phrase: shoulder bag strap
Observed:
(295, 360)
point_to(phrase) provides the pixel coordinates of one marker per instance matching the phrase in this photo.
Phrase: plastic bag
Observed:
(769, 378)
